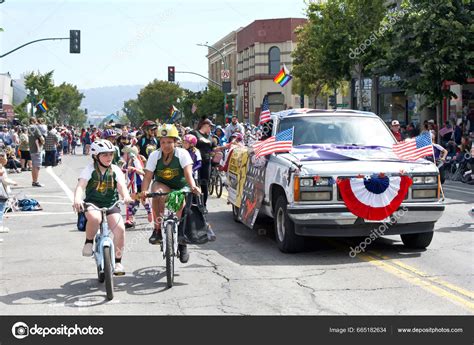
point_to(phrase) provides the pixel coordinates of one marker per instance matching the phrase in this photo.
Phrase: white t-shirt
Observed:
(86, 173)
(183, 156)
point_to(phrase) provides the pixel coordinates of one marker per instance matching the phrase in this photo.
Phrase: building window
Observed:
(274, 61)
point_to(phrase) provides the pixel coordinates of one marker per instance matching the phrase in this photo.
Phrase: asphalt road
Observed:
(243, 272)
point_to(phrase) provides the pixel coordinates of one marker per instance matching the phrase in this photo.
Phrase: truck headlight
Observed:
(431, 179)
(322, 181)
(425, 179)
(306, 182)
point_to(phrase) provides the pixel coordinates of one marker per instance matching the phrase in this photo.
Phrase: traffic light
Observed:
(332, 101)
(75, 41)
(171, 73)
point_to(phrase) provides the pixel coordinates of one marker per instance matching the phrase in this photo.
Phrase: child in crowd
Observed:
(189, 144)
(5, 183)
(133, 167)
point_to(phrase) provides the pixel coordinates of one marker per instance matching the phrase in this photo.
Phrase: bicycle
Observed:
(215, 182)
(169, 233)
(104, 251)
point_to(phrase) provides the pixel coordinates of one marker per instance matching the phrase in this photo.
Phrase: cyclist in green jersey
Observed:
(103, 182)
(170, 168)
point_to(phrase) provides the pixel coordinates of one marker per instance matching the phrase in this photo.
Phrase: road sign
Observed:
(225, 74)
(226, 87)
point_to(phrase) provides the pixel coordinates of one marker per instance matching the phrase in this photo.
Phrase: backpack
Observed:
(29, 205)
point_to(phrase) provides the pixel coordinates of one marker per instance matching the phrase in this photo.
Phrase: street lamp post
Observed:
(224, 62)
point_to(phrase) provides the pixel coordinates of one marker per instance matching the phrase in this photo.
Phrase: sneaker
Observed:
(183, 253)
(156, 237)
(37, 184)
(129, 224)
(211, 236)
(119, 270)
(87, 250)
(4, 229)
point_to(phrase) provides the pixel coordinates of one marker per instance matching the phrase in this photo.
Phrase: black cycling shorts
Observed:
(114, 210)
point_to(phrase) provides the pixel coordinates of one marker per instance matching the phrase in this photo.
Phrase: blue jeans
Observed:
(2, 208)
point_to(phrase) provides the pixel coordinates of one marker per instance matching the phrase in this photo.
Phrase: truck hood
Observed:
(351, 161)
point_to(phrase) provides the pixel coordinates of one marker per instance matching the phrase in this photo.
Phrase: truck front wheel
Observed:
(288, 241)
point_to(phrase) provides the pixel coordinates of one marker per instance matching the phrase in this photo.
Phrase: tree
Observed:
(338, 39)
(133, 112)
(45, 85)
(212, 102)
(68, 100)
(433, 43)
(186, 106)
(155, 99)
(77, 118)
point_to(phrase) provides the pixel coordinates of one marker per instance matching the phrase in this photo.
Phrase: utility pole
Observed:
(224, 62)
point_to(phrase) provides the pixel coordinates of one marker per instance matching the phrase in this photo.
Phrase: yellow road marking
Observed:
(416, 277)
(411, 278)
(424, 275)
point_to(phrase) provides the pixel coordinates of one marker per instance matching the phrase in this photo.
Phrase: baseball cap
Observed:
(395, 123)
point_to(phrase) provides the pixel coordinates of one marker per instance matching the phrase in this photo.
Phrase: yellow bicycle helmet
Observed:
(168, 131)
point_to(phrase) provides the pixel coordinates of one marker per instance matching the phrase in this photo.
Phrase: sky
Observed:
(124, 42)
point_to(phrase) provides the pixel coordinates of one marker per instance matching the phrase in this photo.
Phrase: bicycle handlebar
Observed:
(104, 209)
(158, 194)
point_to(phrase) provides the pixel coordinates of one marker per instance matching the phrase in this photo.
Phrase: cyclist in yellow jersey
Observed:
(170, 168)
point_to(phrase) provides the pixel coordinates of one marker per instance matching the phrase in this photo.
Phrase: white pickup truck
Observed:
(301, 194)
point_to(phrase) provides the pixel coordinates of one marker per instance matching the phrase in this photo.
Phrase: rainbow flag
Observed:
(174, 112)
(283, 77)
(42, 106)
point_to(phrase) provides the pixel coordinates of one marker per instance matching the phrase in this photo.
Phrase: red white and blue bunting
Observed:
(374, 198)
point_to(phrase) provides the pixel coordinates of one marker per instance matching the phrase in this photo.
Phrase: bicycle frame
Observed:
(167, 219)
(102, 240)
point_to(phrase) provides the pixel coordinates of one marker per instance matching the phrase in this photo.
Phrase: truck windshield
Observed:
(338, 130)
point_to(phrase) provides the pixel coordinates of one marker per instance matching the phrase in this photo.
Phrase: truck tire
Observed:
(417, 241)
(288, 241)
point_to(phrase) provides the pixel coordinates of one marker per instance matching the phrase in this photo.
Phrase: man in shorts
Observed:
(36, 142)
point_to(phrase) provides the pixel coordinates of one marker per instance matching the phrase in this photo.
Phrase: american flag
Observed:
(282, 142)
(416, 148)
(265, 114)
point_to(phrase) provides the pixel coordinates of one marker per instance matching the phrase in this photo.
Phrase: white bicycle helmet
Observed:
(101, 146)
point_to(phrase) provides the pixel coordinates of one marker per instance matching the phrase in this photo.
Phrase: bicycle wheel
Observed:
(211, 184)
(108, 273)
(219, 185)
(169, 255)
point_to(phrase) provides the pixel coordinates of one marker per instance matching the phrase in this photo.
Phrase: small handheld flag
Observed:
(414, 149)
(283, 77)
(265, 113)
(282, 142)
(42, 106)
